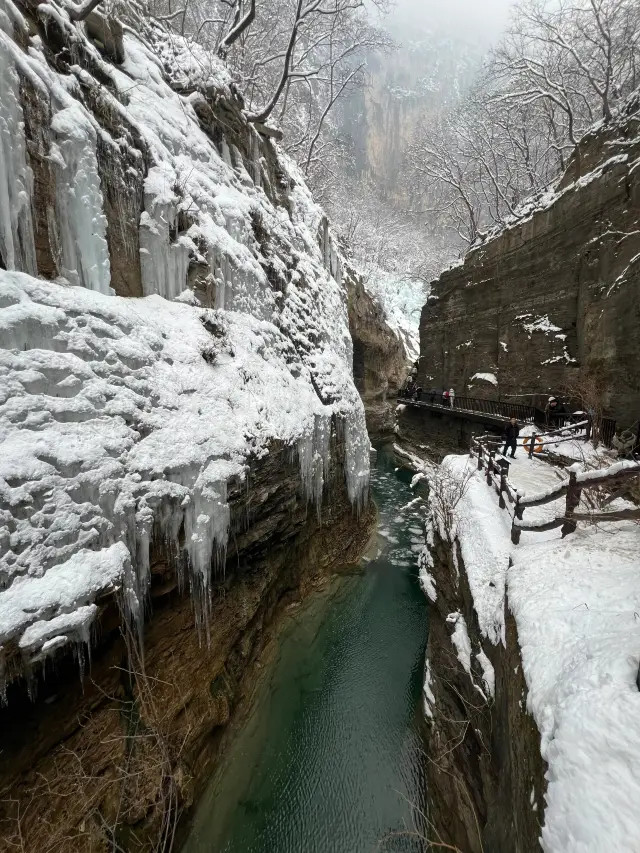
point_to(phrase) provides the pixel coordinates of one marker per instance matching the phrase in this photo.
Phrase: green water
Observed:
(330, 759)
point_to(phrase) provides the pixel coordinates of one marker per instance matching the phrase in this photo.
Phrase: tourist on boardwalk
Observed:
(511, 434)
(445, 398)
(551, 410)
(452, 397)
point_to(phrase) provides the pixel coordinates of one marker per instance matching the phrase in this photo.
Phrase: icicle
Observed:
(312, 450)
(17, 246)
(356, 462)
(164, 264)
(80, 220)
(144, 527)
(207, 518)
(226, 153)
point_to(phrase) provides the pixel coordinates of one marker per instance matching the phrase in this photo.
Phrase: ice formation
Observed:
(81, 223)
(122, 417)
(17, 247)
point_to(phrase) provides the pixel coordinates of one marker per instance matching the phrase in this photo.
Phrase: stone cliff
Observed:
(184, 448)
(88, 762)
(380, 362)
(485, 775)
(555, 291)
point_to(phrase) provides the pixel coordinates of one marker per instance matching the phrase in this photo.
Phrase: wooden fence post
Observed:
(573, 499)
(515, 530)
(480, 451)
(533, 444)
(490, 466)
(504, 470)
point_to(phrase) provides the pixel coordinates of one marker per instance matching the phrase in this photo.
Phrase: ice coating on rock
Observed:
(164, 259)
(117, 430)
(17, 247)
(80, 221)
(357, 451)
(124, 421)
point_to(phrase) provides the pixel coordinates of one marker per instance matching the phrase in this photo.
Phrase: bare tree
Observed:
(294, 59)
(562, 65)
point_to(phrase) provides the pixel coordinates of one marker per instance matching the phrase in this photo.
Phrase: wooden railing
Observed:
(497, 468)
(538, 441)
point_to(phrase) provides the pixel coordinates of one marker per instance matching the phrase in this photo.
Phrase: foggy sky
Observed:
(486, 18)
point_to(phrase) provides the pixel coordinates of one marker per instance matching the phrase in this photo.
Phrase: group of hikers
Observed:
(413, 391)
(554, 410)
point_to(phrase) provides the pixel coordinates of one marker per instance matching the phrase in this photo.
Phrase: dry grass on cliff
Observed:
(129, 801)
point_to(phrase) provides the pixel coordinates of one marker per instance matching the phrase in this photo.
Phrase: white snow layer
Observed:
(121, 415)
(401, 299)
(485, 377)
(576, 603)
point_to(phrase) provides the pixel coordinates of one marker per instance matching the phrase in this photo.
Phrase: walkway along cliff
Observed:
(531, 691)
(184, 449)
(555, 292)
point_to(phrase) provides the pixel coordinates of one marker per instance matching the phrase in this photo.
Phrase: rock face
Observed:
(485, 775)
(380, 363)
(423, 432)
(75, 754)
(557, 290)
(179, 467)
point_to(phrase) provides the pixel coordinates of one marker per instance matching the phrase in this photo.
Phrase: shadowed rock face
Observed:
(380, 363)
(485, 775)
(63, 752)
(557, 291)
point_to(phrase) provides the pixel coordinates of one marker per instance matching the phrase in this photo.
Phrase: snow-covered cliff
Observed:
(130, 171)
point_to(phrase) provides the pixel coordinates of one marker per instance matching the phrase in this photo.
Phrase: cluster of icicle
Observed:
(79, 227)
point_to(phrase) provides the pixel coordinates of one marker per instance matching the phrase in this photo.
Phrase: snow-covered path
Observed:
(576, 602)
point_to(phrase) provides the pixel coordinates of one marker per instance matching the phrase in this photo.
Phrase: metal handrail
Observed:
(506, 410)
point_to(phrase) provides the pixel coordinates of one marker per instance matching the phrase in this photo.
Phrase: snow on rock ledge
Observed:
(575, 602)
(115, 415)
(121, 416)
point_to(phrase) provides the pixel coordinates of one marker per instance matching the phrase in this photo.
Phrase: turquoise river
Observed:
(330, 759)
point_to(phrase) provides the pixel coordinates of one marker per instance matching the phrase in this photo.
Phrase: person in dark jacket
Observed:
(511, 434)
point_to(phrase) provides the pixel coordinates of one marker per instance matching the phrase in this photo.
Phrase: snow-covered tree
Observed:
(294, 60)
(562, 65)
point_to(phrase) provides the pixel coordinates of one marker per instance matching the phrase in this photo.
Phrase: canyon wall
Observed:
(485, 775)
(185, 451)
(86, 761)
(380, 361)
(557, 290)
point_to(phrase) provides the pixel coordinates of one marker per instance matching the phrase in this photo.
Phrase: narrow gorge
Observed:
(184, 450)
(270, 581)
